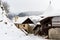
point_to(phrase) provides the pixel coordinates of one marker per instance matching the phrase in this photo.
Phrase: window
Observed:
(23, 25)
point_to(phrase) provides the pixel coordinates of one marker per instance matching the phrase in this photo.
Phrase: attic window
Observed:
(23, 25)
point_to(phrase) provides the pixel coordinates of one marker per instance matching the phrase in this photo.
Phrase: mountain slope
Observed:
(30, 13)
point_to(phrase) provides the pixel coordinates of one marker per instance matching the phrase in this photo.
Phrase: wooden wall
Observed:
(26, 27)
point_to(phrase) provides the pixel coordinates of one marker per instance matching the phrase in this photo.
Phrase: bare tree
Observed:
(0, 2)
(6, 6)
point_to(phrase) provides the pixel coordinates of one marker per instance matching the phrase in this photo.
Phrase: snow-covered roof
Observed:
(32, 25)
(20, 20)
(35, 19)
(38, 23)
(50, 12)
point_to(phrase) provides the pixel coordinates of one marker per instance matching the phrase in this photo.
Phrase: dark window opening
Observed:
(23, 25)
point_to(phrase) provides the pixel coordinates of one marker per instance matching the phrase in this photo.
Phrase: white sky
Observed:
(17, 6)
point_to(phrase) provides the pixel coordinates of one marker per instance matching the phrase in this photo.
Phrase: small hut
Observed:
(23, 23)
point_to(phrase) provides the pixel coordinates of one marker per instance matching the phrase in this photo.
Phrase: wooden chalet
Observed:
(23, 23)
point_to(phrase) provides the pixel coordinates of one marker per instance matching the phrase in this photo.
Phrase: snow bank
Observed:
(8, 30)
